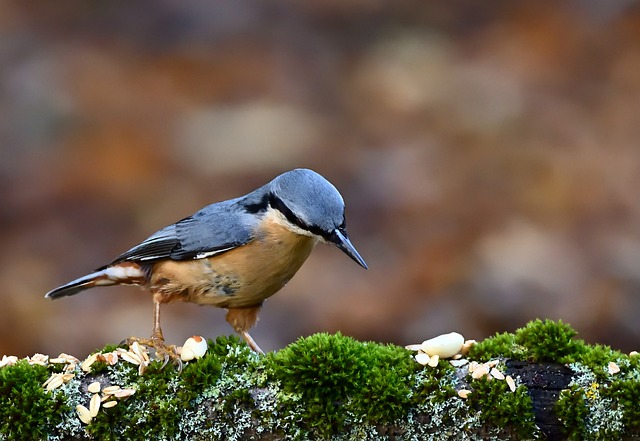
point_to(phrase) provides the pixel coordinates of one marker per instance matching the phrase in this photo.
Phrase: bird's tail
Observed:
(125, 273)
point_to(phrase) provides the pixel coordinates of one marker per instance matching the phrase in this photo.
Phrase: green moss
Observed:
(625, 393)
(545, 341)
(27, 410)
(548, 340)
(502, 408)
(328, 377)
(571, 409)
(501, 345)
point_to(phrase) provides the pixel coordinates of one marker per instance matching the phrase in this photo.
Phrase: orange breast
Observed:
(242, 277)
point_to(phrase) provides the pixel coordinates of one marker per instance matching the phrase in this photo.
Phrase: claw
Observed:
(163, 352)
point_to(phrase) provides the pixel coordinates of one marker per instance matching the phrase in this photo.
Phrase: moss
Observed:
(548, 340)
(625, 393)
(501, 345)
(502, 408)
(545, 341)
(571, 409)
(27, 410)
(328, 377)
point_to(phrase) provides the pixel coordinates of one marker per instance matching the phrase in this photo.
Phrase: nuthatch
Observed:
(232, 254)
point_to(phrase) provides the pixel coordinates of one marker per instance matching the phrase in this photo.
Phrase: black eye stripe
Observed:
(277, 204)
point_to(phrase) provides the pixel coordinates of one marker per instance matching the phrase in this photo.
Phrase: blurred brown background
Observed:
(488, 153)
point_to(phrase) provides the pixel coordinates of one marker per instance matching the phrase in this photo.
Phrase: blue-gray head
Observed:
(313, 206)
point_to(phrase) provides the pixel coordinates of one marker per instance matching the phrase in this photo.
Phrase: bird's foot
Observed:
(163, 352)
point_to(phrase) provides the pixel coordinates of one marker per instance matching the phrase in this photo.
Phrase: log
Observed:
(537, 383)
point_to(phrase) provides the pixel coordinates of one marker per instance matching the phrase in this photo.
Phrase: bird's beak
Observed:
(341, 240)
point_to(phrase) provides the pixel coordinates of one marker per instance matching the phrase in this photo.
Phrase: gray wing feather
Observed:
(214, 229)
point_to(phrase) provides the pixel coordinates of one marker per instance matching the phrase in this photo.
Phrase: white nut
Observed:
(444, 346)
(511, 383)
(94, 405)
(194, 347)
(83, 414)
(94, 387)
(422, 358)
(464, 393)
(495, 373)
(613, 368)
(433, 362)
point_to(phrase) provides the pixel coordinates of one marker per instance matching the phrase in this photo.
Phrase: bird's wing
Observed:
(213, 230)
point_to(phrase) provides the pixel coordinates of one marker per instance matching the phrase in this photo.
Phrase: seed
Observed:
(495, 373)
(433, 361)
(459, 362)
(109, 404)
(110, 389)
(124, 393)
(511, 383)
(94, 387)
(131, 358)
(94, 405)
(422, 358)
(633, 353)
(83, 414)
(110, 358)
(86, 365)
(39, 359)
(54, 382)
(464, 393)
(613, 368)
(413, 347)
(8, 360)
(479, 372)
(69, 358)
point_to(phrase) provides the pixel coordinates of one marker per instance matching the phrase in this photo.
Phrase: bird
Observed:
(232, 254)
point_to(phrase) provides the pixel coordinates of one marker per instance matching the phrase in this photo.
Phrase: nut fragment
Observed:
(94, 387)
(422, 358)
(8, 360)
(83, 414)
(495, 373)
(466, 346)
(94, 405)
(464, 393)
(479, 372)
(124, 393)
(39, 359)
(109, 404)
(633, 353)
(511, 383)
(613, 368)
(433, 361)
(86, 365)
(130, 357)
(413, 347)
(110, 389)
(54, 381)
(459, 362)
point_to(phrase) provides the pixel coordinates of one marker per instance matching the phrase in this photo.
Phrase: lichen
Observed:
(328, 387)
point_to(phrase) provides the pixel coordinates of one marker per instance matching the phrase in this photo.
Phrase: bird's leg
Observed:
(241, 320)
(163, 351)
(251, 342)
